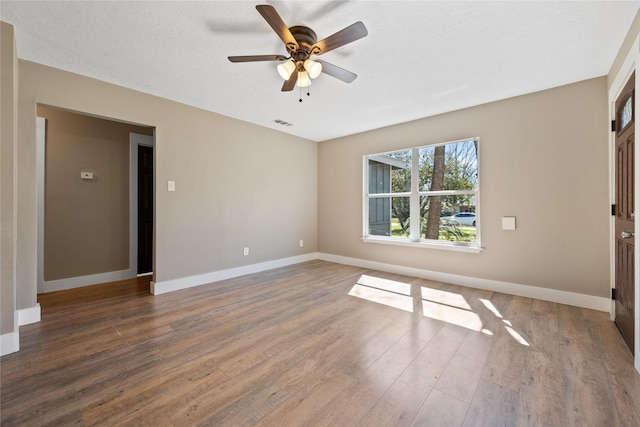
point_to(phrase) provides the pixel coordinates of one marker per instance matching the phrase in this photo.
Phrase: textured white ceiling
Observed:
(420, 58)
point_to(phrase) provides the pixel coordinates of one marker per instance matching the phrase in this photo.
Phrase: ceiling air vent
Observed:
(282, 122)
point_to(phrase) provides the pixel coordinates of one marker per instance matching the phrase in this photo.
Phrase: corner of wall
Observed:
(9, 333)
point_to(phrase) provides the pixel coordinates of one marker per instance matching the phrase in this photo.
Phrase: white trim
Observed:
(80, 281)
(365, 195)
(636, 208)
(628, 66)
(27, 316)
(158, 288)
(414, 198)
(612, 218)
(9, 343)
(41, 137)
(424, 244)
(545, 294)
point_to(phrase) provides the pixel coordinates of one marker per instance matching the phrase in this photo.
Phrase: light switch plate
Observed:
(86, 175)
(508, 222)
(171, 186)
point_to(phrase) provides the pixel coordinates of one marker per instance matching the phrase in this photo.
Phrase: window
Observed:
(424, 195)
(626, 113)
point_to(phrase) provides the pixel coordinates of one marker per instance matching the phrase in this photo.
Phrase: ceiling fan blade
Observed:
(290, 84)
(337, 72)
(253, 58)
(271, 16)
(345, 36)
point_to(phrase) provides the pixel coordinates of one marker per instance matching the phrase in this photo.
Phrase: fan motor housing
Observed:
(306, 38)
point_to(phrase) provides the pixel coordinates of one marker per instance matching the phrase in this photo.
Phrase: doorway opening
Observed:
(85, 199)
(141, 202)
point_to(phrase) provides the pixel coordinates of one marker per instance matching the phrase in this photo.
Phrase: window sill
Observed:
(446, 246)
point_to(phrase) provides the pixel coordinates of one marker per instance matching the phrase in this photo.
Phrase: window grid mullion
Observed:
(414, 228)
(449, 193)
(379, 195)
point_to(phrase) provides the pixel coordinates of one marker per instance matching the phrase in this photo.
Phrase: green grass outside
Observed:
(453, 233)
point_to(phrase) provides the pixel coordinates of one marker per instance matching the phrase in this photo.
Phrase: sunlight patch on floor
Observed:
(436, 304)
(456, 316)
(492, 308)
(385, 284)
(516, 336)
(381, 296)
(444, 297)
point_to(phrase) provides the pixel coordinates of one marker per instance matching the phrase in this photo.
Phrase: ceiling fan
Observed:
(301, 43)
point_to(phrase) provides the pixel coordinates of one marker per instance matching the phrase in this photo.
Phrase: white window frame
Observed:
(414, 196)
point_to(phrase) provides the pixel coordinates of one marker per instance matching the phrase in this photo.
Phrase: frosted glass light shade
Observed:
(285, 69)
(303, 79)
(313, 68)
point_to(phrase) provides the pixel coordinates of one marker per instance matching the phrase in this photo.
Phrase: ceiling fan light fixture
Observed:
(286, 69)
(301, 42)
(303, 79)
(313, 68)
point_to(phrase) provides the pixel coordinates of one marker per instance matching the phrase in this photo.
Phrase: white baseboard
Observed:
(158, 288)
(92, 279)
(545, 294)
(27, 316)
(9, 343)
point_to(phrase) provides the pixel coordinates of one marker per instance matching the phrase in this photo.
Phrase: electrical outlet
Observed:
(301, 243)
(246, 251)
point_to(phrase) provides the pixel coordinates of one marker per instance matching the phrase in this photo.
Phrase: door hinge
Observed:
(613, 293)
(613, 125)
(613, 210)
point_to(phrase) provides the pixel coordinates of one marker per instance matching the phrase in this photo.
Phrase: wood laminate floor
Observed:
(316, 344)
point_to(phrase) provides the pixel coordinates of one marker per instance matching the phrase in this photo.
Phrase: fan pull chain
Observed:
(308, 94)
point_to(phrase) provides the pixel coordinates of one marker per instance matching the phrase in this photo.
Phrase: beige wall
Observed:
(8, 141)
(237, 185)
(86, 221)
(544, 160)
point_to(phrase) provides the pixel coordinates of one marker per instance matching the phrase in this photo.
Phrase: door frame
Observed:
(135, 140)
(41, 137)
(629, 65)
